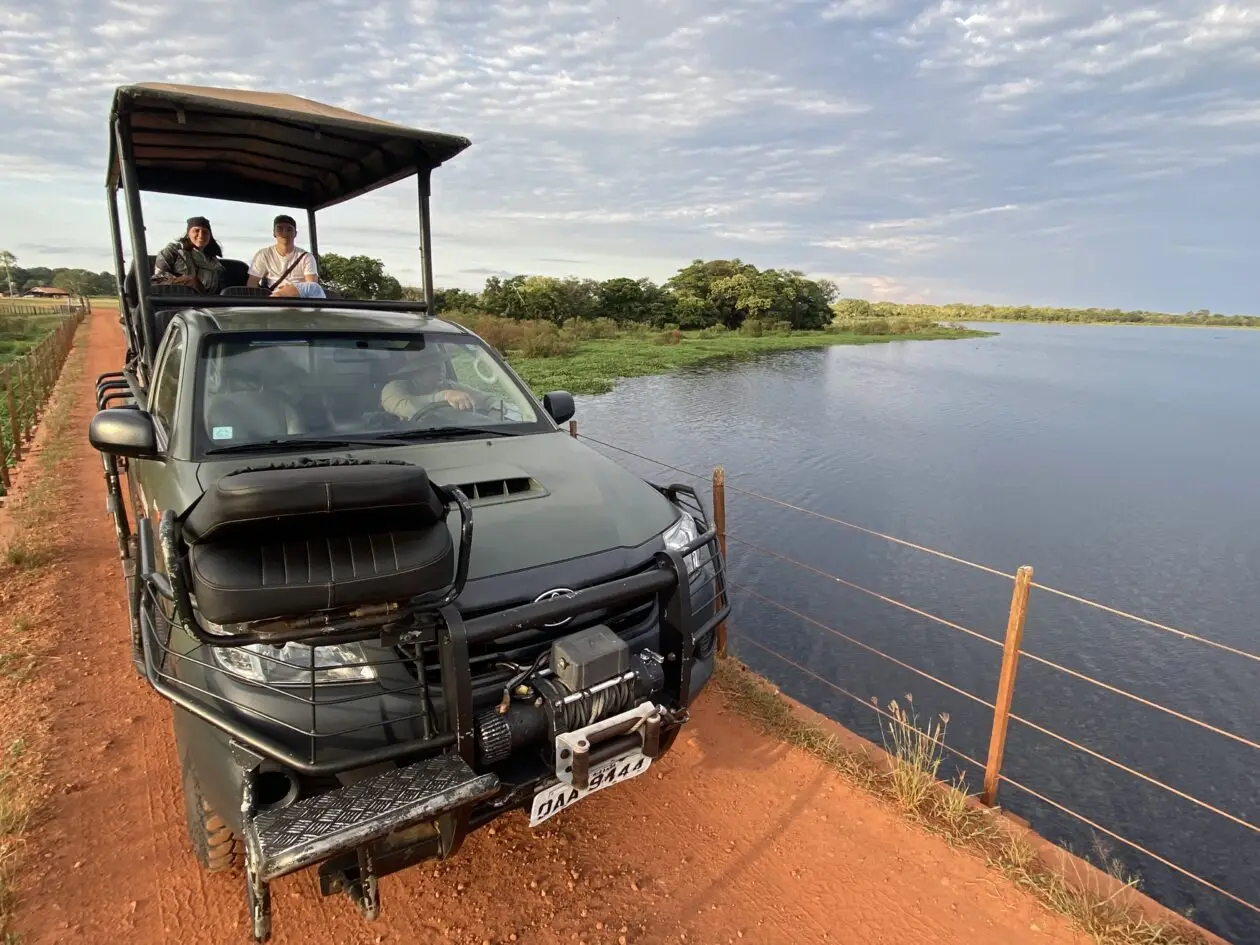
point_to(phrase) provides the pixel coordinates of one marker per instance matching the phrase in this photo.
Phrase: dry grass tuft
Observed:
(909, 782)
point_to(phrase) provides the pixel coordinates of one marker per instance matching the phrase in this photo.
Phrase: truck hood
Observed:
(537, 499)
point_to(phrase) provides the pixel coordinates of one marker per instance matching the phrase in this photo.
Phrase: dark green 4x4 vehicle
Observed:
(388, 598)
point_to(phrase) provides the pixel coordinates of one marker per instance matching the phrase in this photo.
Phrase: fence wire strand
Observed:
(858, 699)
(1136, 846)
(866, 590)
(1143, 621)
(1137, 774)
(1033, 725)
(870, 649)
(1024, 654)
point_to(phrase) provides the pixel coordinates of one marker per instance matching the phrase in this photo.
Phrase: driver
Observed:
(423, 382)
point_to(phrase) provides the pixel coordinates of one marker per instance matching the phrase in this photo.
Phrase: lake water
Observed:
(1122, 463)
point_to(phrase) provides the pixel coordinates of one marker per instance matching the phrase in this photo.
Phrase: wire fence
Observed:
(26, 383)
(1013, 650)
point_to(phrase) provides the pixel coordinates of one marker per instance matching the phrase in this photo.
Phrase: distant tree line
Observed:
(74, 281)
(704, 294)
(857, 309)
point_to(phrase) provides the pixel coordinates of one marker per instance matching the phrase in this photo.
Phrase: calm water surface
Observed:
(1122, 463)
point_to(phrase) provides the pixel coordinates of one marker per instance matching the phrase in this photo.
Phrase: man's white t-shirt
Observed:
(270, 264)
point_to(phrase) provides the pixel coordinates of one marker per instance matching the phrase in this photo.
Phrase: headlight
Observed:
(679, 535)
(290, 664)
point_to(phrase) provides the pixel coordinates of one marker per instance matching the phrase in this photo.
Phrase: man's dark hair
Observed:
(284, 218)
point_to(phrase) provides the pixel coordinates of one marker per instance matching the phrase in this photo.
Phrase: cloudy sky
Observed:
(1066, 152)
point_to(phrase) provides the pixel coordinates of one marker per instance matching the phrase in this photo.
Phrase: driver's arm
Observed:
(397, 398)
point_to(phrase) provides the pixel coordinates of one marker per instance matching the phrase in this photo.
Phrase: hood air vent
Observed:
(487, 491)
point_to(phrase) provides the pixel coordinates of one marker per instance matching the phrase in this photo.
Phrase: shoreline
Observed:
(596, 366)
(1104, 323)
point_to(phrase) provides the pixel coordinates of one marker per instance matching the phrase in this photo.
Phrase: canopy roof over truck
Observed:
(263, 147)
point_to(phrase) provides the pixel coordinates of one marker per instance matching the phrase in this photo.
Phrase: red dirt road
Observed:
(732, 837)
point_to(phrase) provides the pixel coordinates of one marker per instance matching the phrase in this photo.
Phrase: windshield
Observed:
(355, 386)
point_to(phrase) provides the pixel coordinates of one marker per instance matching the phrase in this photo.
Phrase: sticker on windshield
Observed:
(221, 433)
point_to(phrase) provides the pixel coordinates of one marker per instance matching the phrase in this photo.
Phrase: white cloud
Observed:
(944, 143)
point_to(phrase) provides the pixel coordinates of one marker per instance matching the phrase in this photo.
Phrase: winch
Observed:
(589, 678)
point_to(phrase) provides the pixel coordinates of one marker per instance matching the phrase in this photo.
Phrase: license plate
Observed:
(549, 802)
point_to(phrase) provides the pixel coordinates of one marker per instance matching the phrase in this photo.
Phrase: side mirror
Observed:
(124, 431)
(559, 405)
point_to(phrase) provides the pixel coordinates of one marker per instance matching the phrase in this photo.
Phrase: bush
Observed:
(541, 339)
(885, 325)
(671, 337)
(753, 328)
(502, 334)
(530, 339)
(715, 331)
(589, 329)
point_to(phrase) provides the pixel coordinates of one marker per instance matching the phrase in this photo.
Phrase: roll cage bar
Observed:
(251, 147)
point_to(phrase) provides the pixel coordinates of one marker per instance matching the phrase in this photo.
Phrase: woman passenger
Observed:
(193, 260)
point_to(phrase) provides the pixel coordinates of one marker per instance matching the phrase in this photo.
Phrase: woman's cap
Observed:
(197, 221)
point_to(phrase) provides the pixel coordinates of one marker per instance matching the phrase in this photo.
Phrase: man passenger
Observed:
(288, 269)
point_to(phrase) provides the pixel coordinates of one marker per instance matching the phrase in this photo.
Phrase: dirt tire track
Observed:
(732, 837)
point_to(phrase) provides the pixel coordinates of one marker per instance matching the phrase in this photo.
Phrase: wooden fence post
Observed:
(1006, 684)
(719, 524)
(25, 398)
(13, 415)
(45, 371)
(573, 429)
(4, 464)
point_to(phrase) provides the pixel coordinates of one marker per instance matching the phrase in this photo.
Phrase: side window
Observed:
(166, 385)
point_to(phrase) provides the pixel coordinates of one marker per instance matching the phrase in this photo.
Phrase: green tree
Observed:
(622, 299)
(358, 277)
(453, 300)
(503, 297)
(8, 262)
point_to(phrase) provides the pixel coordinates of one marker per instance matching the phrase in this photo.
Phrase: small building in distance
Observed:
(48, 292)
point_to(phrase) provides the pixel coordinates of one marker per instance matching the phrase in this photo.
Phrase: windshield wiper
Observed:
(271, 446)
(437, 433)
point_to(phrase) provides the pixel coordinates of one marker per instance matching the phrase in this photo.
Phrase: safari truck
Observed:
(378, 629)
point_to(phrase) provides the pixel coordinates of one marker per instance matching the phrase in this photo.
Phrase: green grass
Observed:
(595, 366)
(20, 333)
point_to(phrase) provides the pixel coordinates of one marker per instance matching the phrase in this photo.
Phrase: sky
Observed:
(1010, 152)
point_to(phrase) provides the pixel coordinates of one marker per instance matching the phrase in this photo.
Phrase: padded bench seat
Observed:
(272, 543)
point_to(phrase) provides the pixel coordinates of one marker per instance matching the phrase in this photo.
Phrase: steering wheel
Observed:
(428, 409)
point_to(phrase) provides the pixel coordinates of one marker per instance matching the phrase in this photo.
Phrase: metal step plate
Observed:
(291, 838)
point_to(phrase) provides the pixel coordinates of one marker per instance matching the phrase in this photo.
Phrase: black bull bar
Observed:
(690, 607)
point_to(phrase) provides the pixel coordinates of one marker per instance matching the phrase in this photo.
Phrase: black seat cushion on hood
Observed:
(315, 502)
(236, 582)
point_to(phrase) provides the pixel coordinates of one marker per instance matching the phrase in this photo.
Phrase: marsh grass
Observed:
(588, 356)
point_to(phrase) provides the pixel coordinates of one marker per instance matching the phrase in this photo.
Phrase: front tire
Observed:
(217, 848)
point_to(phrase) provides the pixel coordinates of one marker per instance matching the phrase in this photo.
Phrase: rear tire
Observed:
(217, 848)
